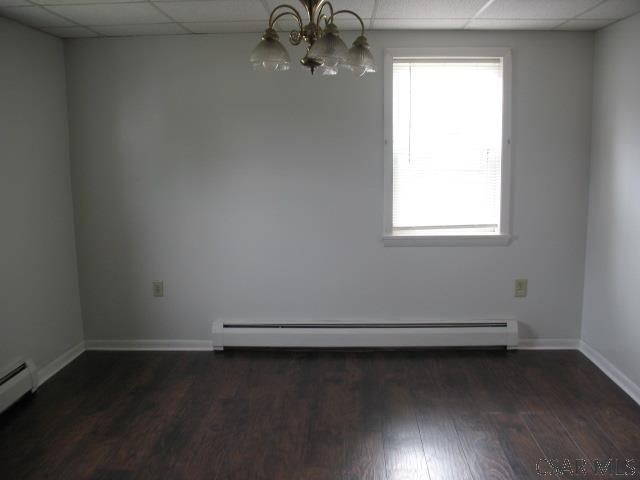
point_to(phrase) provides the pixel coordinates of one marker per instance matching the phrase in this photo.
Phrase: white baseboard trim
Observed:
(151, 345)
(207, 345)
(609, 369)
(549, 344)
(53, 367)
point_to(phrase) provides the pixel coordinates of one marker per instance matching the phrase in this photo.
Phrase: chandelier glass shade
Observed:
(326, 52)
(270, 54)
(359, 57)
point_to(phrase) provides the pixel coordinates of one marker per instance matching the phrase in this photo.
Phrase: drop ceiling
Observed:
(94, 18)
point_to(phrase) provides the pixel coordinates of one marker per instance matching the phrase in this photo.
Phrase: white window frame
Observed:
(393, 237)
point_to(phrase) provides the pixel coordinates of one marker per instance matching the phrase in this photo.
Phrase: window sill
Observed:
(476, 239)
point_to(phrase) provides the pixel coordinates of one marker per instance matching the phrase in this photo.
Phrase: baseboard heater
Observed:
(307, 334)
(16, 379)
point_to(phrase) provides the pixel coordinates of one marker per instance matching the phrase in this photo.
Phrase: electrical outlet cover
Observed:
(158, 288)
(521, 286)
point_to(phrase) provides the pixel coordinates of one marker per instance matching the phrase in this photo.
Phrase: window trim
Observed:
(393, 237)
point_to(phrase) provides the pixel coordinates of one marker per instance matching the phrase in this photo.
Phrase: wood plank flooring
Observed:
(469, 415)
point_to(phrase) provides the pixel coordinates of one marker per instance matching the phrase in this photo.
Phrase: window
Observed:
(447, 146)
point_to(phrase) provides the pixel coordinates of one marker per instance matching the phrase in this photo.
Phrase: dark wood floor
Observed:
(321, 415)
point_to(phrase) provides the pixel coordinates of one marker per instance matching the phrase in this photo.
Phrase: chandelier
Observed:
(326, 52)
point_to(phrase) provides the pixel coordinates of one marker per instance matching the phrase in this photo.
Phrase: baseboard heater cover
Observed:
(325, 334)
(16, 379)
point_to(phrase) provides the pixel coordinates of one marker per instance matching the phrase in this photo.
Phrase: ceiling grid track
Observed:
(576, 17)
(169, 17)
(56, 14)
(374, 13)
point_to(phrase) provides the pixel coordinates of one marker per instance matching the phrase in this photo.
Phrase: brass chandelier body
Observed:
(316, 28)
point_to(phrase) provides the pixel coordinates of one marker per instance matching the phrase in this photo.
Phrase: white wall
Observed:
(611, 322)
(258, 196)
(39, 299)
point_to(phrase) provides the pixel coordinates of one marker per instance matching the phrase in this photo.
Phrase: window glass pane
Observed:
(447, 140)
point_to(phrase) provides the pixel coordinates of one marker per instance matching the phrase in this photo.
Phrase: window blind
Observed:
(447, 142)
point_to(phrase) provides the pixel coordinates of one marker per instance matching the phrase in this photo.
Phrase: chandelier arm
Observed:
(284, 14)
(318, 12)
(350, 12)
(290, 11)
(325, 18)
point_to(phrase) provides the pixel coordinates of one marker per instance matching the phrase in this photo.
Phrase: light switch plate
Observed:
(157, 287)
(521, 286)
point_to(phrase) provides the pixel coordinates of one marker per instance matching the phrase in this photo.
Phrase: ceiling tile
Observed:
(123, 17)
(70, 32)
(111, 14)
(614, 9)
(429, 8)
(364, 8)
(214, 11)
(585, 24)
(34, 16)
(505, 24)
(287, 24)
(351, 23)
(537, 9)
(228, 27)
(14, 3)
(81, 2)
(146, 29)
(418, 24)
